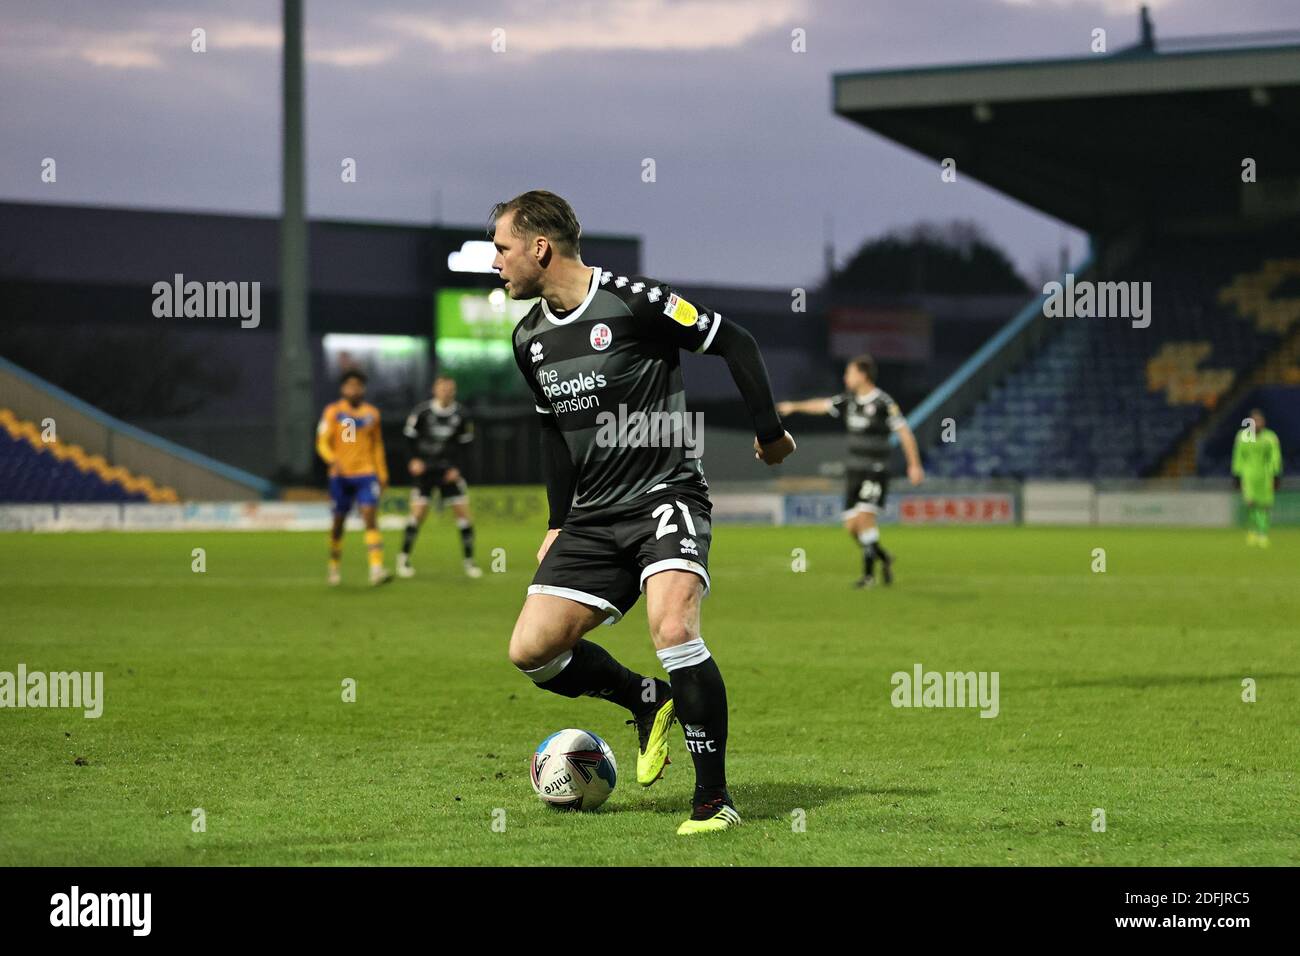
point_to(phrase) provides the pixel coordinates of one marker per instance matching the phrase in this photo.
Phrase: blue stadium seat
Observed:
(1080, 407)
(31, 475)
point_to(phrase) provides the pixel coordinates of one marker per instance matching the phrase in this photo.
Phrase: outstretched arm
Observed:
(810, 406)
(772, 442)
(915, 473)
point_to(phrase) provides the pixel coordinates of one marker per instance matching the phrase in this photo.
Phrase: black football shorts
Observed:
(603, 556)
(433, 477)
(865, 490)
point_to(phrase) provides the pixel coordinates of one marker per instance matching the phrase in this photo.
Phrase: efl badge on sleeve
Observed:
(679, 310)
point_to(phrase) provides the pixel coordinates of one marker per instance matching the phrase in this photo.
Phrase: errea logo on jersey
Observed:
(536, 351)
(689, 546)
(601, 336)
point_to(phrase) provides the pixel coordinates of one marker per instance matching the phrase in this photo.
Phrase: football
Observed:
(574, 770)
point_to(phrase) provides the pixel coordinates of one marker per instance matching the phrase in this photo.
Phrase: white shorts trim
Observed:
(870, 509)
(582, 597)
(675, 564)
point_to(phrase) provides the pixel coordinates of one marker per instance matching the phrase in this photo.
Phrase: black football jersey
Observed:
(438, 435)
(608, 371)
(868, 420)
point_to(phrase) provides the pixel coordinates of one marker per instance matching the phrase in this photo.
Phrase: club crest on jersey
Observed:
(680, 311)
(601, 336)
(536, 351)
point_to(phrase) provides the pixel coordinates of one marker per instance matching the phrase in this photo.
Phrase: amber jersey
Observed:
(349, 439)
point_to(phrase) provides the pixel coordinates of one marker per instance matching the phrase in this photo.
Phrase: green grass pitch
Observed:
(1119, 690)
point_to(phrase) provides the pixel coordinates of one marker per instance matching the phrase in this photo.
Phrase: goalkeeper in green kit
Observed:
(1257, 468)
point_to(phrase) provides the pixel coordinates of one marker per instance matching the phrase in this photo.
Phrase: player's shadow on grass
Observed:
(1148, 681)
(940, 595)
(773, 801)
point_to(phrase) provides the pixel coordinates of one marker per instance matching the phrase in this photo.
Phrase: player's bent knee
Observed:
(672, 632)
(543, 632)
(529, 650)
(523, 657)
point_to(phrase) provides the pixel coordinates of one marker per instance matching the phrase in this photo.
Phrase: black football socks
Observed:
(700, 699)
(589, 670)
(871, 550)
(408, 537)
(466, 538)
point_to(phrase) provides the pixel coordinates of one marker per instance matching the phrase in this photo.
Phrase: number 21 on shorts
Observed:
(665, 514)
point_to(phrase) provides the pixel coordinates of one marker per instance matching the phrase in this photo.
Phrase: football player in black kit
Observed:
(600, 353)
(436, 433)
(869, 417)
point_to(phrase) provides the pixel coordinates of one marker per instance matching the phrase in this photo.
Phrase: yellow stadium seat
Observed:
(133, 484)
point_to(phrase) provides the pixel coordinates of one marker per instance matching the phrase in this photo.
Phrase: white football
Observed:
(574, 770)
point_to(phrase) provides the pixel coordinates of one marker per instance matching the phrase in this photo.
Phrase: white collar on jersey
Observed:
(591, 294)
(869, 396)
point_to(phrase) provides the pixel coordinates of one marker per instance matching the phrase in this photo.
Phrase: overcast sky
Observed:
(750, 159)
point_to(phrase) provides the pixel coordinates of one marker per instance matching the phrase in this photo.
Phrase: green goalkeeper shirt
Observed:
(1258, 458)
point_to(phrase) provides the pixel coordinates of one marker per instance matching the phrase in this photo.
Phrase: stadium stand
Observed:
(97, 457)
(1177, 157)
(1102, 399)
(32, 470)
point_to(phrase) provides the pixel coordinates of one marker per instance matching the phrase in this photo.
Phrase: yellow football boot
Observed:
(652, 740)
(717, 814)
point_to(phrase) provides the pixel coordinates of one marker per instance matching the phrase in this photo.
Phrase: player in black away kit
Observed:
(630, 511)
(436, 433)
(869, 417)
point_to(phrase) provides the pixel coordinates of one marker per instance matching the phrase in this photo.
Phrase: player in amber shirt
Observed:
(349, 440)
